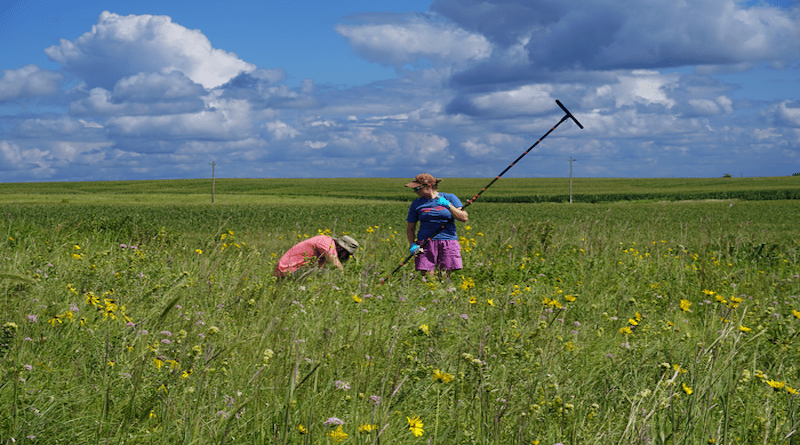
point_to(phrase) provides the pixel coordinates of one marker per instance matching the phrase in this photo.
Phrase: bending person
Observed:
(316, 251)
(435, 211)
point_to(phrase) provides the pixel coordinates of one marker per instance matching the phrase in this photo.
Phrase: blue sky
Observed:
(112, 90)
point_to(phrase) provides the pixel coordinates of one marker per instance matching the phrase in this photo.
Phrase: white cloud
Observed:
(359, 140)
(89, 124)
(478, 149)
(143, 94)
(229, 120)
(123, 46)
(82, 152)
(645, 87)
(281, 130)
(766, 133)
(13, 154)
(28, 81)
(148, 87)
(529, 99)
(491, 145)
(427, 148)
(725, 103)
(315, 145)
(398, 44)
(53, 154)
(16, 158)
(791, 115)
(48, 127)
(705, 106)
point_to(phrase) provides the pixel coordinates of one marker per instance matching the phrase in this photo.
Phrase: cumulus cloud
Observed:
(32, 161)
(427, 148)
(790, 113)
(262, 88)
(119, 47)
(476, 84)
(28, 81)
(607, 34)
(143, 94)
(280, 130)
(48, 127)
(491, 145)
(228, 120)
(13, 155)
(398, 44)
(646, 87)
(529, 99)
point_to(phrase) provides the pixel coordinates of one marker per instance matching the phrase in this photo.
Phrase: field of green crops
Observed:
(531, 190)
(130, 318)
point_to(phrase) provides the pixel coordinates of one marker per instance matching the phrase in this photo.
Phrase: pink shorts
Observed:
(440, 254)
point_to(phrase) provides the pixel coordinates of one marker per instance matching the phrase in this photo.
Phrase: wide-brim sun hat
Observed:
(348, 244)
(423, 179)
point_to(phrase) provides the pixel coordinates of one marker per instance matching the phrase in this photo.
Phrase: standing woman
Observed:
(435, 211)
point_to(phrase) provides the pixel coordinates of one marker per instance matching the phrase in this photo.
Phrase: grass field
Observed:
(148, 315)
(273, 191)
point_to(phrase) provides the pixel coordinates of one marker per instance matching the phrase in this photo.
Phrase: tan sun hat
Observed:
(349, 244)
(423, 179)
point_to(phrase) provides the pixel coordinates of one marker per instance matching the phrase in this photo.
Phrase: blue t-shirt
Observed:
(432, 216)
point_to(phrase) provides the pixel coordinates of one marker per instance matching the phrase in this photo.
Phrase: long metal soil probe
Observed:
(567, 115)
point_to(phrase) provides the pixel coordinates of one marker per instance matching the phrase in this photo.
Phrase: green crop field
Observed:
(140, 313)
(261, 191)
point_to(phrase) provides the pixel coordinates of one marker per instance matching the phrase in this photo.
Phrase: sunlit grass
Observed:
(647, 323)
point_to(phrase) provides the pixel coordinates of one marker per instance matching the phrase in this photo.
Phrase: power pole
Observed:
(570, 178)
(213, 180)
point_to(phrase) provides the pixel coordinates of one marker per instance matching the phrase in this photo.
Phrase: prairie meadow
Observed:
(628, 323)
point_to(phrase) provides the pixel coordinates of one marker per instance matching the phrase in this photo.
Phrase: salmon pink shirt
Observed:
(317, 249)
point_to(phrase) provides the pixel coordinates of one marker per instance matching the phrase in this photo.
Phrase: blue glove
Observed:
(442, 201)
(414, 249)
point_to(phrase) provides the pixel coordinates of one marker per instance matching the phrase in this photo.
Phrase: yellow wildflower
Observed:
(775, 384)
(442, 376)
(415, 425)
(367, 428)
(337, 435)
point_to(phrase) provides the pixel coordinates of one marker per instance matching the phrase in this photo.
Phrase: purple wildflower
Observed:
(332, 421)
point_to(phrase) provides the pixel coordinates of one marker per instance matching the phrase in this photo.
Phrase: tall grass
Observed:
(637, 323)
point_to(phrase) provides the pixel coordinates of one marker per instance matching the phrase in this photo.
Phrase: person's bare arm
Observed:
(459, 213)
(411, 232)
(331, 256)
(334, 259)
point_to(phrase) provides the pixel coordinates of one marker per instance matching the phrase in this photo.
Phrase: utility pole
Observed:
(570, 178)
(213, 180)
